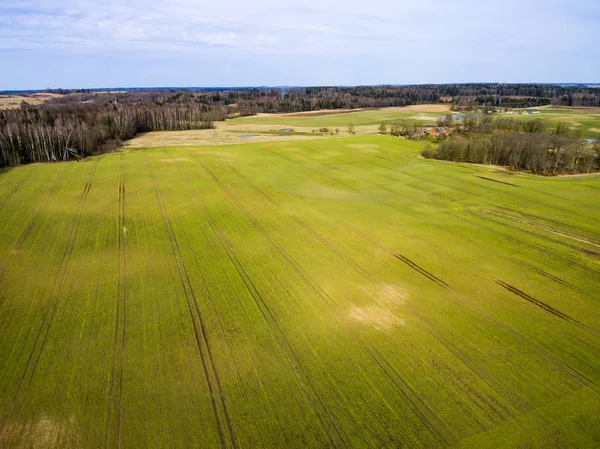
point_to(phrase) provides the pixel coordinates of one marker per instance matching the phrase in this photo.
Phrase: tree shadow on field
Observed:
(4, 170)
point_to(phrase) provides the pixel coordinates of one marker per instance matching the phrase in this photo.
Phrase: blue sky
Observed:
(110, 43)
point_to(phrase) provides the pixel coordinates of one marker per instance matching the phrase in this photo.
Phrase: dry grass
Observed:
(425, 108)
(14, 101)
(222, 135)
(378, 317)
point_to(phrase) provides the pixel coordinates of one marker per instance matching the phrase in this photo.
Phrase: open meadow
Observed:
(335, 292)
(584, 121)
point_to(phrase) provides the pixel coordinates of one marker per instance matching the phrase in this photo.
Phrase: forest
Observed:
(78, 123)
(532, 146)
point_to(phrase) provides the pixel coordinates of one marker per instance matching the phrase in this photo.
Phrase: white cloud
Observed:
(371, 39)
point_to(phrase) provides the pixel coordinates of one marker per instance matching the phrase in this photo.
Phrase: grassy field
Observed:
(366, 120)
(585, 121)
(337, 292)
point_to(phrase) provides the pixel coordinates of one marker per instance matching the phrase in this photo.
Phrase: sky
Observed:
(153, 43)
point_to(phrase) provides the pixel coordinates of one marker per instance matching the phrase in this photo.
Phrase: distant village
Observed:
(441, 132)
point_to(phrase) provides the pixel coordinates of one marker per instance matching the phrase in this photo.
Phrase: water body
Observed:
(247, 136)
(590, 139)
(459, 117)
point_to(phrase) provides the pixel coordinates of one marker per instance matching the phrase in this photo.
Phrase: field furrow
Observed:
(337, 292)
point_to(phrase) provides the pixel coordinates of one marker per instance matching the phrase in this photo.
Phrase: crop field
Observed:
(328, 293)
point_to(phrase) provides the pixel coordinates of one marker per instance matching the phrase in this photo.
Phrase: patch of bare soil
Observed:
(324, 112)
(43, 433)
(426, 108)
(387, 292)
(378, 317)
(176, 159)
(205, 137)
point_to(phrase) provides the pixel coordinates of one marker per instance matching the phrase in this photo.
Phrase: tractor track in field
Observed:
(496, 180)
(582, 379)
(585, 251)
(542, 305)
(393, 206)
(533, 224)
(2, 272)
(121, 317)
(583, 240)
(548, 308)
(200, 332)
(210, 296)
(417, 406)
(422, 271)
(51, 307)
(551, 277)
(535, 218)
(566, 369)
(276, 330)
(404, 259)
(546, 252)
(15, 190)
(300, 223)
(465, 181)
(479, 372)
(332, 248)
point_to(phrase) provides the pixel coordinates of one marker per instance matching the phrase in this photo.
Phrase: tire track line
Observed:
(552, 277)
(422, 271)
(427, 417)
(490, 317)
(278, 333)
(479, 185)
(535, 234)
(121, 319)
(209, 294)
(544, 222)
(2, 272)
(562, 366)
(445, 186)
(551, 254)
(15, 190)
(484, 376)
(197, 321)
(393, 206)
(542, 305)
(51, 307)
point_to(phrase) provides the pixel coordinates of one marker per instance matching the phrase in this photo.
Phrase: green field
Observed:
(373, 117)
(585, 121)
(324, 293)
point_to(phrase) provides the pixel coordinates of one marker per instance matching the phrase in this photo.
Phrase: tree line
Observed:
(81, 122)
(53, 133)
(531, 146)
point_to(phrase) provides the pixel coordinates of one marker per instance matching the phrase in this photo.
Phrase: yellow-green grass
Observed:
(368, 117)
(320, 293)
(13, 101)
